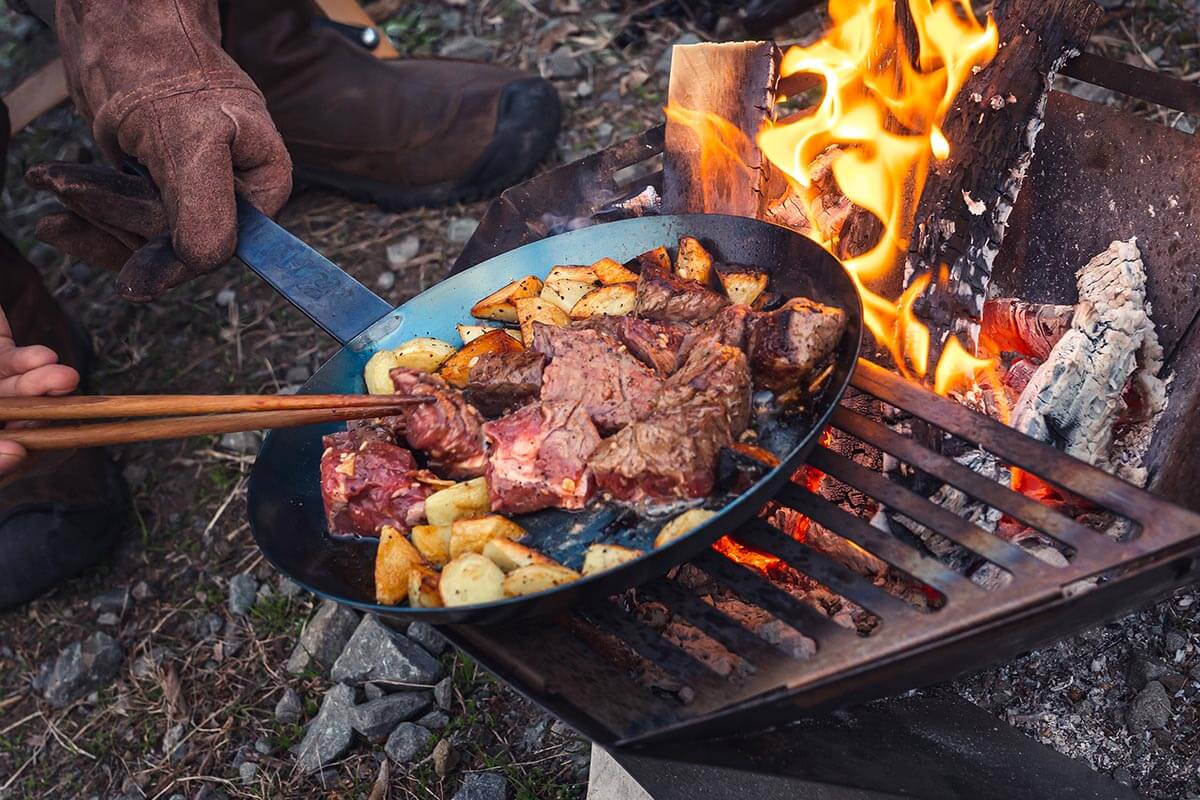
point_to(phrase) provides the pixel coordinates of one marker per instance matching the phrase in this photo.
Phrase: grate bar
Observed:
(931, 515)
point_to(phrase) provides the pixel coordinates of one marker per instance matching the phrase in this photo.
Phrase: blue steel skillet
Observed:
(284, 499)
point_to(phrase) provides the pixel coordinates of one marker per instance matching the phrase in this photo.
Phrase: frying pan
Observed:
(284, 499)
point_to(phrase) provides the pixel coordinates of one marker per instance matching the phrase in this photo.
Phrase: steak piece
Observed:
(448, 430)
(667, 456)
(655, 344)
(665, 297)
(537, 458)
(501, 382)
(784, 345)
(367, 483)
(714, 374)
(729, 326)
(596, 370)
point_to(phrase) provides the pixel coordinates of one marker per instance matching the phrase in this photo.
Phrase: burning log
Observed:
(992, 128)
(1031, 329)
(720, 95)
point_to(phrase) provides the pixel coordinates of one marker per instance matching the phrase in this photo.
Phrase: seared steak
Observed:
(594, 369)
(729, 326)
(367, 483)
(669, 455)
(449, 430)
(501, 382)
(785, 344)
(537, 458)
(714, 374)
(655, 344)
(665, 297)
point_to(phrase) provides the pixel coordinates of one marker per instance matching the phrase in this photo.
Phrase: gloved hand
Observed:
(153, 79)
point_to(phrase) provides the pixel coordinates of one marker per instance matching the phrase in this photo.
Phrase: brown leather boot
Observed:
(401, 133)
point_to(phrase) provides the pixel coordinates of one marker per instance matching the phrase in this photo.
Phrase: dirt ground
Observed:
(218, 677)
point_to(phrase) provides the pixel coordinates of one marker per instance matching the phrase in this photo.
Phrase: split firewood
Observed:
(791, 206)
(1031, 329)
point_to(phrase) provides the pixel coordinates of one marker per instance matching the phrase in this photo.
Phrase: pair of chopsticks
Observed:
(195, 415)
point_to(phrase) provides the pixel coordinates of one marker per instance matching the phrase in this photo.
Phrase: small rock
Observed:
(427, 636)
(135, 475)
(225, 297)
(434, 720)
(323, 638)
(330, 732)
(450, 19)
(378, 717)
(460, 230)
(562, 64)
(212, 624)
(248, 772)
(386, 281)
(83, 667)
(297, 374)
(1151, 709)
(375, 653)
(471, 48)
(445, 758)
(108, 618)
(603, 131)
(373, 691)
(114, 602)
(443, 693)
(263, 746)
(1173, 642)
(534, 735)
(242, 591)
(584, 89)
(147, 663)
(143, 591)
(483, 786)
(244, 442)
(407, 742)
(264, 593)
(1143, 669)
(288, 587)
(401, 252)
(289, 707)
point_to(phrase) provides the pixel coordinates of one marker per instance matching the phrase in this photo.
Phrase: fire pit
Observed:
(898, 558)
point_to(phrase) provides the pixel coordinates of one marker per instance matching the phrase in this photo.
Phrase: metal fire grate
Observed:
(563, 663)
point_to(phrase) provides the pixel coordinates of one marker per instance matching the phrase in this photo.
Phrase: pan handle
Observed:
(331, 298)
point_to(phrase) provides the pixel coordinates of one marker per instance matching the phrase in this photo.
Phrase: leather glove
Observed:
(153, 80)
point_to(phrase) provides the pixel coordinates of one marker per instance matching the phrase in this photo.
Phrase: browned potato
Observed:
(500, 305)
(584, 274)
(658, 258)
(466, 499)
(420, 353)
(469, 333)
(509, 555)
(682, 524)
(565, 293)
(609, 271)
(694, 262)
(742, 285)
(394, 560)
(534, 309)
(616, 300)
(536, 578)
(601, 557)
(423, 589)
(470, 534)
(457, 368)
(432, 542)
(471, 579)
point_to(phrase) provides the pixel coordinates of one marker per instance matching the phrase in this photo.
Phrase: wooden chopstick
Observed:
(73, 407)
(108, 433)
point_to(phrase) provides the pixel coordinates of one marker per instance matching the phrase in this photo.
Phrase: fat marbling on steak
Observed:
(664, 297)
(714, 374)
(594, 369)
(537, 458)
(367, 482)
(786, 344)
(502, 382)
(449, 430)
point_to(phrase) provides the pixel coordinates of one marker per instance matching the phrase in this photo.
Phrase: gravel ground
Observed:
(191, 708)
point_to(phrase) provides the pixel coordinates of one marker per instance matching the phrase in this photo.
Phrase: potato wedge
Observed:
(509, 555)
(469, 333)
(457, 369)
(583, 274)
(600, 557)
(565, 293)
(658, 258)
(693, 263)
(375, 373)
(609, 271)
(471, 579)
(743, 285)
(681, 525)
(500, 305)
(423, 591)
(432, 542)
(466, 499)
(470, 534)
(394, 561)
(537, 578)
(616, 300)
(535, 309)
